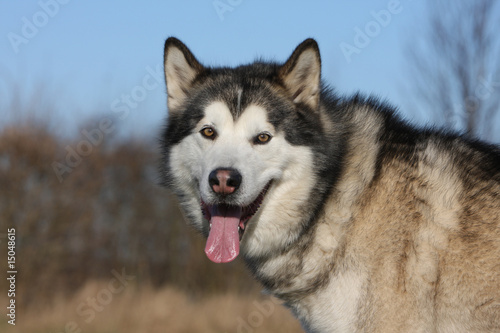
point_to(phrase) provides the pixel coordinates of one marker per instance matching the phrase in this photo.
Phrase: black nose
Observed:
(224, 180)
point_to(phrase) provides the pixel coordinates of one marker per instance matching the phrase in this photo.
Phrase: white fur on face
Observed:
(289, 167)
(234, 147)
(278, 221)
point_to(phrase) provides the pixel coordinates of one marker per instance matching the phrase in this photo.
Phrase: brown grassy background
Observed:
(166, 309)
(109, 214)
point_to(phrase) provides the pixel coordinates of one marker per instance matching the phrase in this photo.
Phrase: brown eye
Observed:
(263, 138)
(208, 132)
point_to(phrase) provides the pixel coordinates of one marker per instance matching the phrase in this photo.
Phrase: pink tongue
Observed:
(223, 243)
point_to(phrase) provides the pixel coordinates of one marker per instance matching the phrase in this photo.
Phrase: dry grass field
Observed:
(146, 309)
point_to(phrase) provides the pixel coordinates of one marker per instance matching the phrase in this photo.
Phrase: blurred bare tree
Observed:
(456, 65)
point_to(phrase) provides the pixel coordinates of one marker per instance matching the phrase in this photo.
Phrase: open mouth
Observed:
(227, 226)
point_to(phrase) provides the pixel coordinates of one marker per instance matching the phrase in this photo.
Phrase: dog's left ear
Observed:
(181, 70)
(301, 74)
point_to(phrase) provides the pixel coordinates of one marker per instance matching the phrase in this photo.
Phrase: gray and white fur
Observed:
(365, 223)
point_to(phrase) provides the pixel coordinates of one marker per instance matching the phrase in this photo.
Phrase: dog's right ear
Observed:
(181, 70)
(301, 74)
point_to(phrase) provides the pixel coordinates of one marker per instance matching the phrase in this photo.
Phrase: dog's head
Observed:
(239, 148)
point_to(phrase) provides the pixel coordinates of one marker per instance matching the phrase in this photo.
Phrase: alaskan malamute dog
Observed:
(358, 221)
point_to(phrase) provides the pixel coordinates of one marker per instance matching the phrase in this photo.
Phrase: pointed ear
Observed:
(181, 70)
(301, 74)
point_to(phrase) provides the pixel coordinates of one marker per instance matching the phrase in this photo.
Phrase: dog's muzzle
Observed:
(227, 221)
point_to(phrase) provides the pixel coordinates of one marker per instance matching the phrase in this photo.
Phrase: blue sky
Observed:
(80, 58)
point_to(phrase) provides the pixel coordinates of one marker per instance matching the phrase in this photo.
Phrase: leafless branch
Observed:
(456, 67)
